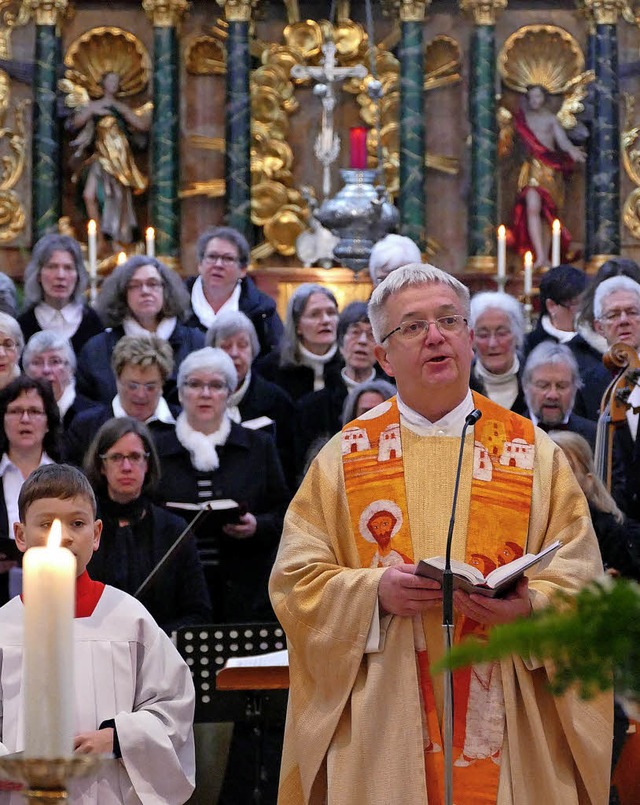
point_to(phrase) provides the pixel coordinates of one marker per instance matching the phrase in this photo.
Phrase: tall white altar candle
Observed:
(556, 228)
(502, 251)
(121, 258)
(528, 273)
(92, 248)
(49, 585)
(150, 238)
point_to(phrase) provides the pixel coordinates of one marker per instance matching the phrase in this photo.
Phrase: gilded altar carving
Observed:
(485, 12)
(237, 10)
(630, 141)
(605, 12)
(48, 12)
(166, 13)
(13, 14)
(12, 214)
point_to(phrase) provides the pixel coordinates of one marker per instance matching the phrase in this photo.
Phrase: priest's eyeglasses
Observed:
(118, 459)
(447, 325)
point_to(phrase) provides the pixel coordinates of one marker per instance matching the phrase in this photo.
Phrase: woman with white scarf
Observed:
(498, 333)
(308, 358)
(141, 297)
(215, 458)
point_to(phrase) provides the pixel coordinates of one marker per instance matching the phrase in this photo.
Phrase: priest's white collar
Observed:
(450, 424)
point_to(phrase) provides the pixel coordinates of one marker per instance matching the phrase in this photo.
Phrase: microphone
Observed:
(447, 578)
(447, 623)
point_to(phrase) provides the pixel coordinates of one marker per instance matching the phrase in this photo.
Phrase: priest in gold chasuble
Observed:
(365, 716)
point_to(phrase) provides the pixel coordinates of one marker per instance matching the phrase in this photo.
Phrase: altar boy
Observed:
(133, 692)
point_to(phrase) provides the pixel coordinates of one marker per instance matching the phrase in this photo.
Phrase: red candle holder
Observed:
(358, 147)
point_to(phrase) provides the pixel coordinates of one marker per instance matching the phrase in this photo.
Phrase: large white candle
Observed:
(92, 248)
(528, 273)
(556, 229)
(49, 584)
(502, 251)
(150, 237)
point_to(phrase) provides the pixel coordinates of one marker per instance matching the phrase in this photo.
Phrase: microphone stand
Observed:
(447, 624)
(148, 582)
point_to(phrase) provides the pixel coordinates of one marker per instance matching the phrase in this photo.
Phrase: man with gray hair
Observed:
(551, 382)
(390, 253)
(616, 310)
(362, 628)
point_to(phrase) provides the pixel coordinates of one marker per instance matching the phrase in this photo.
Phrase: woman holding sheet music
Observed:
(123, 467)
(214, 458)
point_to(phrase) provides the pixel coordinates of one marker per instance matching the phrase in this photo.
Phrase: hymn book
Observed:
(494, 584)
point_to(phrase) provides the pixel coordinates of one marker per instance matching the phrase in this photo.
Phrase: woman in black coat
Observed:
(123, 467)
(141, 297)
(214, 458)
(55, 280)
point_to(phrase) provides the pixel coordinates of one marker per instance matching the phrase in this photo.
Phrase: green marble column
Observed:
(411, 199)
(483, 200)
(605, 146)
(238, 129)
(46, 195)
(165, 133)
(589, 213)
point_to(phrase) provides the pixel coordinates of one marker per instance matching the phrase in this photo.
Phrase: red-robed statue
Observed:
(550, 158)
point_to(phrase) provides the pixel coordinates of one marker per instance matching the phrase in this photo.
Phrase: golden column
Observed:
(604, 143)
(483, 198)
(164, 207)
(46, 181)
(411, 199)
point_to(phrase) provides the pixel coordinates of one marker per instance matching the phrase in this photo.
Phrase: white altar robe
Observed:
(125, 668)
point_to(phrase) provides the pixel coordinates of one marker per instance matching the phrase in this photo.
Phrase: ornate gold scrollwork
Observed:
(485, 12)
(237, 10)
(12, 214)
(631, 160)
(13, 14)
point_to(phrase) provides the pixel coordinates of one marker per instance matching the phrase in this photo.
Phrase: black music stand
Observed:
(205, 650)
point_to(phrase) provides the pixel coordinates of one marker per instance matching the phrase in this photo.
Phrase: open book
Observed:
(268, 671)
(497, 583)
(224, 510)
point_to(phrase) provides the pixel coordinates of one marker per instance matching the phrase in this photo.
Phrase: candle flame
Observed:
(502, 231)
(555, 226)
(122, 258)
(151, 232)
(528, 258)
(92, 227)
(55, 535)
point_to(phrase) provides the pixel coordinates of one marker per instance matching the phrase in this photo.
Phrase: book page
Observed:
(271, 659)
(458, 568)
(521, 564)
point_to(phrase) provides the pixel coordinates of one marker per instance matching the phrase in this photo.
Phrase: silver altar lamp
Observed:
(360, 214)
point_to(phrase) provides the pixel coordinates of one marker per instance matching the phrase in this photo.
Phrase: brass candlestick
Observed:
(46, 781)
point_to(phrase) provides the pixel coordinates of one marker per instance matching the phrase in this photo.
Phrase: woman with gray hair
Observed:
(254, 397)
(364, 397)
(141, 297)
(393, 251)
(308, 359)
(49, 356)
(498, 333)
(55, 280)
(212, 458)
(11, 346)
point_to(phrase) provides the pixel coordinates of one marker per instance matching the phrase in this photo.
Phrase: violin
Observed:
(622, 359)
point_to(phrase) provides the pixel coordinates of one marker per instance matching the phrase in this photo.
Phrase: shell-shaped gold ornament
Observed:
(306, 36)
(441, 57)
(206, 55)
(540, 55)
(108, 50)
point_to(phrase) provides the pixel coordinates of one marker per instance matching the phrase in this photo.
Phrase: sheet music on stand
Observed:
(207, 648)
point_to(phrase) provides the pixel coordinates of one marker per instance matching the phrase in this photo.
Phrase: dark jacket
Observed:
(90, 325)
(318, 416)
(626, 471)
(619, 543)
(263, 398)
(297, 379)
(576, 424)
(95, 378)
(519, 404)
(249, 473)
(80, 404)
(77, 439)
(127, 555)
(259, 307)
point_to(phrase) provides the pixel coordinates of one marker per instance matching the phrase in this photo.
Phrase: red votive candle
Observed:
(358, 150)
